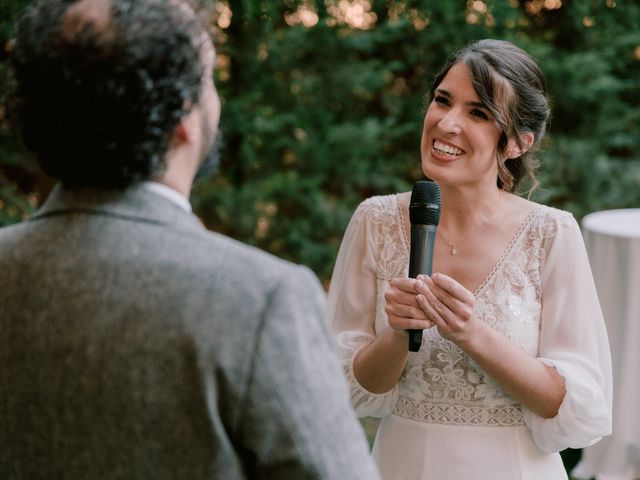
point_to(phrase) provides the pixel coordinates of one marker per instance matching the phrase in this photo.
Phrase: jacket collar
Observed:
(135, 203)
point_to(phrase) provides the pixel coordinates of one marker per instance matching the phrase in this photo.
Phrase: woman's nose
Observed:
(450, 122)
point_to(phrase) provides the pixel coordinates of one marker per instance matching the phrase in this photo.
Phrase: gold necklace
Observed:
(453, 250)
(451, 245)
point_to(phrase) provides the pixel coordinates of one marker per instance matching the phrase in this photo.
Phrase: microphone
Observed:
(424, 214)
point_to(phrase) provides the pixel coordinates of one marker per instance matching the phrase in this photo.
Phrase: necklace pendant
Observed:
(454, 251)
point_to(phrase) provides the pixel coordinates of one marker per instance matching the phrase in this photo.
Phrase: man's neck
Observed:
(169, 193)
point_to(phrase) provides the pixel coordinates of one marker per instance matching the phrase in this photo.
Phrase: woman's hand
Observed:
(402, 307)
(450, 306)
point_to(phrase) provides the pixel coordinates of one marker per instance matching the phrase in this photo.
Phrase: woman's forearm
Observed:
(535, 385)
(378, 366)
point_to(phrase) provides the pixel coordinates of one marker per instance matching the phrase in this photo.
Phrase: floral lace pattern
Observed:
(440, 383)
(391, 245)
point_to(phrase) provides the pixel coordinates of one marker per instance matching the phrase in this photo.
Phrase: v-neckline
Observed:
(501, 259)
(507, 251)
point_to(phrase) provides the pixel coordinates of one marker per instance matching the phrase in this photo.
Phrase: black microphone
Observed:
(424, 214)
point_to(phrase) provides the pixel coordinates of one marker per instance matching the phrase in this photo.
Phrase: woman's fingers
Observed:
(437, 298)
(460, 302)
(448, 304)
(400, 322)
(402, 292)
(398, 297)
(436, 311)
(402, 307)
(405, 311)
(453, 288)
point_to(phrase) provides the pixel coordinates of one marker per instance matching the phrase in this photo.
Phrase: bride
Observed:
(515, 363)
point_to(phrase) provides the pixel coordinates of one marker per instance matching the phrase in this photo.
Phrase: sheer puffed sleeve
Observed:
(573, 340)
(352, 306)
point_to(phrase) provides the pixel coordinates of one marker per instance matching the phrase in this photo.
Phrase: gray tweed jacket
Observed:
(134, 344)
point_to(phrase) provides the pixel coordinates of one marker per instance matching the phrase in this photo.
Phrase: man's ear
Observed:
(513, 150)
(185, 130)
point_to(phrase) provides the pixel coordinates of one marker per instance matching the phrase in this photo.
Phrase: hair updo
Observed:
(512, 87)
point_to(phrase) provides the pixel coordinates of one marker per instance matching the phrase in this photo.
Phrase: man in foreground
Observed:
(134, 344)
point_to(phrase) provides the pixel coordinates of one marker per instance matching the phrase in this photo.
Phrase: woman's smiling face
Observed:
(459, 136)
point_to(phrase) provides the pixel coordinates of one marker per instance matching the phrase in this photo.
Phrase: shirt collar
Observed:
(168, 193)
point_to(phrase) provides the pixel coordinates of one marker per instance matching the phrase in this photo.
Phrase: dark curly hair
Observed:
(512, 87)
(100, 85)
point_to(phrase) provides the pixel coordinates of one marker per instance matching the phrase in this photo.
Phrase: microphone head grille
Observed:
(424, 208)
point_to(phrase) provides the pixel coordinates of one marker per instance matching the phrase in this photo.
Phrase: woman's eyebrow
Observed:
(445, 93)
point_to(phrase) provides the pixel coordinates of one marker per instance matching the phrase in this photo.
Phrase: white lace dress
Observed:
(446, 419)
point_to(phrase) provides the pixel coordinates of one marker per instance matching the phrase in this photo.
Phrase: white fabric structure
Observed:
(446, 418)
(612, 239)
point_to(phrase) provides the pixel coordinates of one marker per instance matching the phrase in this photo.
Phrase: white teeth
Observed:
(448, 149)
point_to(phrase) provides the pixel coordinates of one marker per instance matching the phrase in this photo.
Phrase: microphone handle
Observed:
(423, 239)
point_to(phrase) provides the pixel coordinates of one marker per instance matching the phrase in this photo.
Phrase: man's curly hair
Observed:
(100, 85)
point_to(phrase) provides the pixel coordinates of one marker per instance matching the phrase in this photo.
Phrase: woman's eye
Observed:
(479, 113)
(442, 100)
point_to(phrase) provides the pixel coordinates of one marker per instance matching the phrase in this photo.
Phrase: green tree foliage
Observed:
(323, 103)
(318, 117)
(17, 171)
